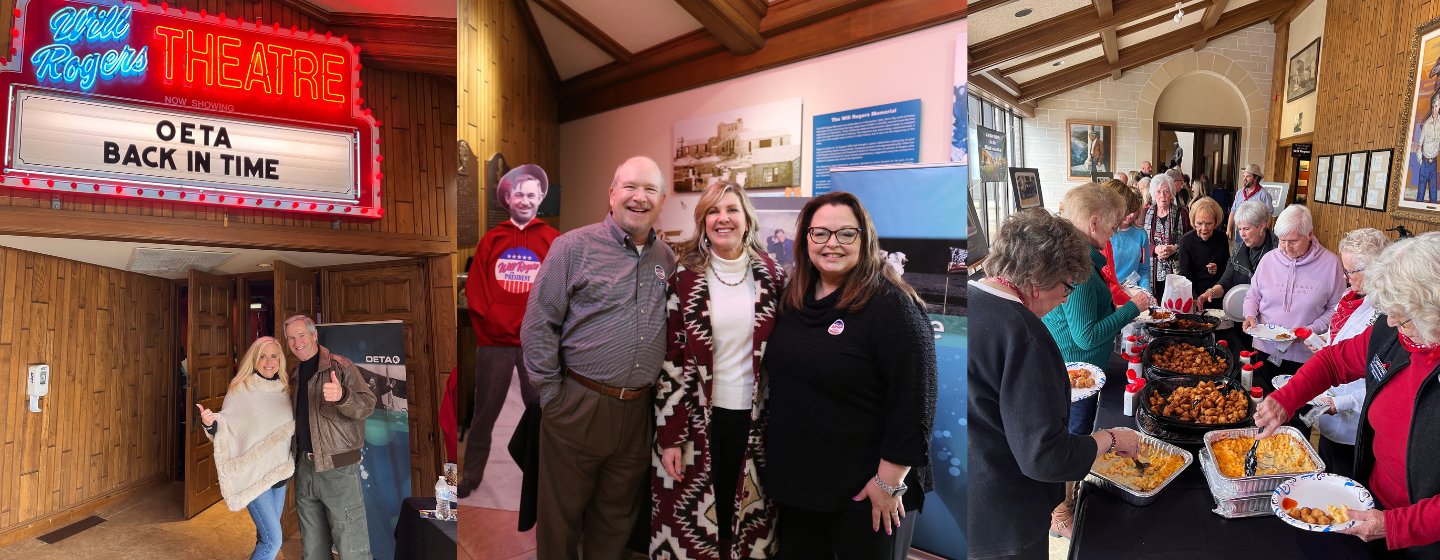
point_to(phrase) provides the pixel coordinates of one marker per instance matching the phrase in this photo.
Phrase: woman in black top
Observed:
(1205, 250)
(1021, 451)
(852, 394)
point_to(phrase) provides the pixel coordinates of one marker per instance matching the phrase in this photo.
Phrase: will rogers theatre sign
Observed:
(148, 101)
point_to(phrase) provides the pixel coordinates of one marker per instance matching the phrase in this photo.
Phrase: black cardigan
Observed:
(1422, 451)
(1244, 260)
(1021, 450)
(1195, 253)
(841, 402)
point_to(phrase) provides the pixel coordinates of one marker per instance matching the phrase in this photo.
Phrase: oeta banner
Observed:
(378, 351)
(89, 137)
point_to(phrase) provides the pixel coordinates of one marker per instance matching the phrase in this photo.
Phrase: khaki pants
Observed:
(332, 511)
(594, 457)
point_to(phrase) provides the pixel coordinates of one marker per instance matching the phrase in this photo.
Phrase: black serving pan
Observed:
(1156, 332)
(1167, 385)
(1160, 344)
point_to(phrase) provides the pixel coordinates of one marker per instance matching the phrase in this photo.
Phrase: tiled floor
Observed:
(151, 526)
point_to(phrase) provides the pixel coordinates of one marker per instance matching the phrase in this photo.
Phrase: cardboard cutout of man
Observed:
(506, 263)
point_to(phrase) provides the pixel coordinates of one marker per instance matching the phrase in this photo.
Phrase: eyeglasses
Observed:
(1069, 288)
(1407, 321)
(1356, 271)
(845, 236)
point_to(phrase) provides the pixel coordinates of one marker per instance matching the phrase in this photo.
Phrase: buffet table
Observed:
(1180, 525)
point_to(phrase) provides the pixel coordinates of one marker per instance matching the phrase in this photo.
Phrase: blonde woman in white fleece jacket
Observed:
(252, 434)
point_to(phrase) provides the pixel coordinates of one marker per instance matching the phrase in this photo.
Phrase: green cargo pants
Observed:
(331, 511)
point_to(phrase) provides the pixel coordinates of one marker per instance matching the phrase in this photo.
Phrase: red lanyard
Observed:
(1007, 284)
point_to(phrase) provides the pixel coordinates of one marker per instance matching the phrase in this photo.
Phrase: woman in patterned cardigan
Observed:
(710, 403)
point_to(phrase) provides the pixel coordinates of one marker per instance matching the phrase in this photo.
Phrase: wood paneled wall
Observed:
(1365, 51)
(507, 93)
(417, 112)
(106, 426)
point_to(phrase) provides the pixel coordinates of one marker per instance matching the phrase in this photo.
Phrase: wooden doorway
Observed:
(1213, 151)
(210, 359)
(390, 293)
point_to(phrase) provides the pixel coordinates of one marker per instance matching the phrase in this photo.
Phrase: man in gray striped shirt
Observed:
(593, 340)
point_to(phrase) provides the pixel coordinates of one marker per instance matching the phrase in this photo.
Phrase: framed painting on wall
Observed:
(1025, 183)
(1322, 179)
(1416, 194)
(1377, 187)
(1300, 80)
(1355, 186)
(1089, 145)
(1338, 172)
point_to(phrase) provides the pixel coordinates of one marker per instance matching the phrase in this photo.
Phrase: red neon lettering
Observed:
(195, 57)
(257, 71)
(168, 37)
(306, 67)
(332, 77)
(227, 61)
(280, 53)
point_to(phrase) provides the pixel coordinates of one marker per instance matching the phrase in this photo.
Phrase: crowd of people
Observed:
(755, 407)
(1060, 288)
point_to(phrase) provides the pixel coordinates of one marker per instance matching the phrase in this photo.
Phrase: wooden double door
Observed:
(218, 339)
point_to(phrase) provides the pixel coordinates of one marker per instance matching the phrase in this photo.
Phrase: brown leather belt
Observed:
(621, 393)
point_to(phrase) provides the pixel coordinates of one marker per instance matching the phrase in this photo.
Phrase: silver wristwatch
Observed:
(891, 490)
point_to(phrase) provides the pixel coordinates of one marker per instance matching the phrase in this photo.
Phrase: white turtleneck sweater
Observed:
(732, 322)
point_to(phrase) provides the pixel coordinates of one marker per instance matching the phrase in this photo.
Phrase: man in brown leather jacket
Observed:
(332, 401)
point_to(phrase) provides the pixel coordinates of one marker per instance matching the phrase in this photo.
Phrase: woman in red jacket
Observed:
(1398, 442)
(710, 407)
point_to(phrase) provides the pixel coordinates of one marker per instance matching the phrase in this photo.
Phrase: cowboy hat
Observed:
(1254, 169)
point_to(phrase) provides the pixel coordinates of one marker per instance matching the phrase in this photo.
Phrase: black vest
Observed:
(1422, 450)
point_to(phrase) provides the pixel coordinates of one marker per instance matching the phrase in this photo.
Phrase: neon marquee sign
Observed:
(102, 72)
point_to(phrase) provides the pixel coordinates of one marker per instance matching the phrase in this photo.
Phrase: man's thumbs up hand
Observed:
(333, 391)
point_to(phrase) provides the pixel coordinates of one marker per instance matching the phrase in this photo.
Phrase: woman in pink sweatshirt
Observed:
(1297, 285)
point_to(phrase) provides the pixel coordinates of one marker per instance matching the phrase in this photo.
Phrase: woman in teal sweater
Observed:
(1085, 325)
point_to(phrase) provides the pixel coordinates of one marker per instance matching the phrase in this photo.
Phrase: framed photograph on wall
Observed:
(1089, 146)
(1355, 186)
(1025, 183)
(1416, 195)
(1322, 179)
(1377, 187)
(1338, 172)
(1304, 67)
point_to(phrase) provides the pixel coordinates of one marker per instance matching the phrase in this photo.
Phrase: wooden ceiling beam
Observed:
(987, 87)
(1103, 8)
(789, 15)
(574, 20)
(1293, 12)
(736, 23)
(699, 59)
(1079, 47)
(1006, 84)
(1058, 30)
(533, 32)
(1112, 46)
(978, 6)
(1149, 51)
(1212, 15)
(403, 43)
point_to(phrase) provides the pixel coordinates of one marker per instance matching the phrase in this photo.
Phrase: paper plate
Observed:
(1096, 373)
(1267, 331)
(1145, 316)
(1279, 382)
(1234, 303)
(1317, 491)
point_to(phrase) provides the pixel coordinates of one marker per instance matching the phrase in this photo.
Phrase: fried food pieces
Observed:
(1203, 403)
(1188, 359)
(1081, 379)
(1183, 325)
(1332, 515)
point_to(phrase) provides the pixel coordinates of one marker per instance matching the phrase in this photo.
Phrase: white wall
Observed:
(918, 65)
(1304, 29)
(1242, 59)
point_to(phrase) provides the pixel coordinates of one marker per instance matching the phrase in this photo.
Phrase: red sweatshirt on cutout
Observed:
(506, 263)
(1407, 523)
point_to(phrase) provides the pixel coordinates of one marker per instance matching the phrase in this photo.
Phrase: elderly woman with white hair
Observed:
(1353, 315)
(1397, 446)
(1252, 222)
(1296, 286)
(1164, 225)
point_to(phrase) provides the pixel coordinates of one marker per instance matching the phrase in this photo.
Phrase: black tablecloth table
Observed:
(1180, 525)
(423, 539)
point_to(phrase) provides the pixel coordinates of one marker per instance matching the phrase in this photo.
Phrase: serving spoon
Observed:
(1250, 460)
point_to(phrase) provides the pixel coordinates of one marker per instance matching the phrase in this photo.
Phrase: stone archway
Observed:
(1252, 137)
